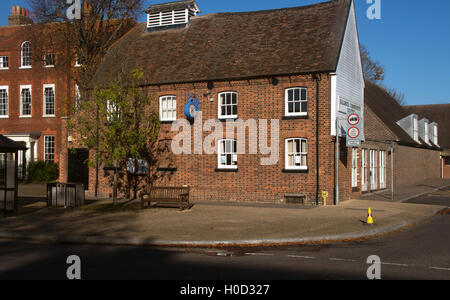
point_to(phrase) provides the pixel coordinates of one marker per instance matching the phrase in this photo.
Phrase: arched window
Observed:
(26, 55)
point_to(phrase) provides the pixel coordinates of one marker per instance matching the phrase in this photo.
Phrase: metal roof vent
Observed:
(171, 15)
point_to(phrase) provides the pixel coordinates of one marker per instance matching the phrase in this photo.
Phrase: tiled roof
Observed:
(228, 46)
(387, 109)
(439, 113)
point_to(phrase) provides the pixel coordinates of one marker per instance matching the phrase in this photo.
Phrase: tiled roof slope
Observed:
(439, 113)
(387, 109)
(227, 46)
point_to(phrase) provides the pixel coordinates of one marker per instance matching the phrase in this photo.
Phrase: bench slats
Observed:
(168, 195)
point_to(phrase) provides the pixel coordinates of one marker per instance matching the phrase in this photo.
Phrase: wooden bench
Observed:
(169, 196)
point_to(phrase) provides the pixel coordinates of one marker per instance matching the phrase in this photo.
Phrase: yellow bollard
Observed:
(369, 217)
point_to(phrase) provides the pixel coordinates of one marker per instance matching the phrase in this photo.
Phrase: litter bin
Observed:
(65, 194)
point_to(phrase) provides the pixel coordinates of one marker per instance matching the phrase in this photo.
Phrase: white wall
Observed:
(349, 80)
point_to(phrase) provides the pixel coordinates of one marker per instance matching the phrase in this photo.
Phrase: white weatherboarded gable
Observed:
(347, 85)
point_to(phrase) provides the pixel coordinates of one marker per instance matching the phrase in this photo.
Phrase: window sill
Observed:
(4, 69)
(25, 117)
(50, 66)
(296, 117)
(167, 169)
(228, 170)
(303, 170)
(4, 117)
(167, 121)
(49, 116)
(25, 68)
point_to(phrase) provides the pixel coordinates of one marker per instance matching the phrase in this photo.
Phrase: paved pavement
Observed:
(421, 252)
(206, 225)
(406, 193)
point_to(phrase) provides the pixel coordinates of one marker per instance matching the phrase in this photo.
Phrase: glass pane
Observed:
(228, 99)
(304, 160)
(290, 160)
(229, 110)
(297, 94)
(297, 146)
(304, 149)
(290, 95)
(290, 146)
(303, 94)
(297, 107)
(234, 98)
(304, 107)
(291, 107)
(235, 110)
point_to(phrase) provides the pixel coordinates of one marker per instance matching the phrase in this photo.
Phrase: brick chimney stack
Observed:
(19, 16)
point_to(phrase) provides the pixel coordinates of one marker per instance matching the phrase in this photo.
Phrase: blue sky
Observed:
(412, 40)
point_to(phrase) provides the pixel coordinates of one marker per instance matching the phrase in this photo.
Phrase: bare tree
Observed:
(372, 70)
(84, 40)
(397, 95)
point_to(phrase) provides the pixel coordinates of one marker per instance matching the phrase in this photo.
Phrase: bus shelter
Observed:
(8, 175)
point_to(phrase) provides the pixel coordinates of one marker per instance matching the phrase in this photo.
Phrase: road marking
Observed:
(299, 256)
(441, 269)
(394, 264)
(259, 254)
(343, 259)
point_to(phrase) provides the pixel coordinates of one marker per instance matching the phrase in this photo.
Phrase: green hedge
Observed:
(40, 171)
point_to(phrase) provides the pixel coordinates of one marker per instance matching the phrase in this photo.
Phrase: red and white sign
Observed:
(353, 132)
(353, 120)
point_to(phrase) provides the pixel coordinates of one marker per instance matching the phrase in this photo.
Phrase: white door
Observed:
(373, 170)
(382, 169)
(364, 170)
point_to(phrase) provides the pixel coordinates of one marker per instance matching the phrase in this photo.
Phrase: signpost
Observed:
(354, 135)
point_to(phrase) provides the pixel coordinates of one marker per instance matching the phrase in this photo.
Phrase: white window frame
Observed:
(47, 86)
(45, 60)
(24, 87)
(364, 170)
(220, 105)
(5, 87)
(2, 62)
(46, 148)
(355, 174)
(382, 155)
(168, 109)
(295, 154)
(234, 159)
(22, 66)
(286, 102)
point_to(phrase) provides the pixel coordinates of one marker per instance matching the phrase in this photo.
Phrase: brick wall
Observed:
(37, 76)
(257, 99)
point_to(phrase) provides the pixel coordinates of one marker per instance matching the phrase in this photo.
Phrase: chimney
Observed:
(19, 16)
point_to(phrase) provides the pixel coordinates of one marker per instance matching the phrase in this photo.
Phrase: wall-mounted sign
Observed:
(191, 108)
(354, 133)
(346, 106)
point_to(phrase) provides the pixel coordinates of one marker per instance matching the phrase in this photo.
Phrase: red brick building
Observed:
(288, 66)
(31, 93)
(416, 155)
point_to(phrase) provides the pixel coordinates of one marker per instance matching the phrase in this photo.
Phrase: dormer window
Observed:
(427, 133)
(171, 15)
(416, 129)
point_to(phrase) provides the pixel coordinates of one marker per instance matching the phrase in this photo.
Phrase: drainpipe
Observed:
(317, 78)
